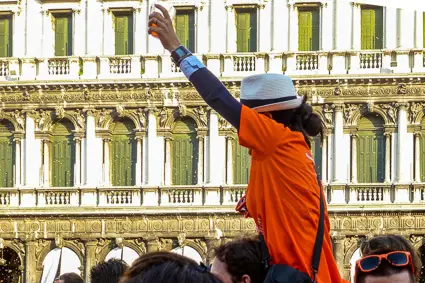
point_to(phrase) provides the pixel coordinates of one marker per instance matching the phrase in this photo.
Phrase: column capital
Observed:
(338, 107)
(355, 4)
(107, 139)
(200, 137)
(417, 134)
(354, 135)
(402, 106)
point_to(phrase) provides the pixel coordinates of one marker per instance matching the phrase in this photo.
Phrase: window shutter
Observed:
(182, 27)
(5, 37)
(304, 30)
(379, 28)
(316, 152)
(191, 32)
(423, 29)
(368, 29)
(63, 35)
(315, 30)
(6, 162)
(120, 35)
(253, 31)
(242, 32)
(241, 164)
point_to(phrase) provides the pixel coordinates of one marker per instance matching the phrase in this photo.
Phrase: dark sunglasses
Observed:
(372, 262)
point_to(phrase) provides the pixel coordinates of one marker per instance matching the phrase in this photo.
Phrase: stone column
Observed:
(106, 165)
(90, 260)
(30, 262)
(77, 166)
(354, 158)
(31, 153)
(213, 150)
(417, 157)
(167, 168)
(139, 149)
(293, 28)
(46, 163)
(387, 157)
(324, 157)
(18, 162)
(356, 26)
(229, 160)
(92, 153)
(231, 44)
(338, 152)
(402, 158)
(200, 179)
(154, 163)
(338, 240)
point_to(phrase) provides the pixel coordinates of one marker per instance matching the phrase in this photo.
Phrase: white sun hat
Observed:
(269, 92)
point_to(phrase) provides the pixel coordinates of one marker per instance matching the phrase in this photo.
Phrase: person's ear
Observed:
(245, 279)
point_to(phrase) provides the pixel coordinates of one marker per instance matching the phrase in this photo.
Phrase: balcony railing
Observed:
(224, 65)
(348, 196)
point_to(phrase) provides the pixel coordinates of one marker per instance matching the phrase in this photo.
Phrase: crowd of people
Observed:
(284, 195)
(386, 258)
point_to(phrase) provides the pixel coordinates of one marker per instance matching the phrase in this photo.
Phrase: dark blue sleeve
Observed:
(217, 96)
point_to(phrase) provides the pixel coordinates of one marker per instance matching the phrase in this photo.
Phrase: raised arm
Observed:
(208, 86)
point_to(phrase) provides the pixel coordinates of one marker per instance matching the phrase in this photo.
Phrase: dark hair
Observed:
(243, 257)
(166, 267)
(108, 272)
(71, 278)
(301, 119)
(386, 244)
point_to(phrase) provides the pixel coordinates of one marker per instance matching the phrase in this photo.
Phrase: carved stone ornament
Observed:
(349, 111)
(328, 113)
(163, 117)
(142, 119)
(182, 110)
(390, 110)
(59, 112)
(415, 108)
(222, 123)
(202, 114)
(79, 117)
(182, 239)
(43, 119)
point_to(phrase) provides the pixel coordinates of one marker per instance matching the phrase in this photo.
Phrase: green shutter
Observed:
(123, 34)
(5, 37)
(241, 164)
(6, 154)
(63, 35)
(316, 152)
(184, 149)
(246, 22)
(123, 154)
(370, 151)
(372, 28)
(185, 28)
(308, 30)
(422, 155)
(63, 155)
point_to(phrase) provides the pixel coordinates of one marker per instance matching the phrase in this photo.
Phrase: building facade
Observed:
(107, 150)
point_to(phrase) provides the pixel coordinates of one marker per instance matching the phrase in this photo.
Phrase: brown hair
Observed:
(386, 244)
(243, 257)
(301, 119)
(166, 267)
(71, 278)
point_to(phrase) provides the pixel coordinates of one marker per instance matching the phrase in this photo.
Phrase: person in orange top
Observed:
(283, 195)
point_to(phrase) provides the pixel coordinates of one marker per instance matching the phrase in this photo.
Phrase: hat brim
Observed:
(285, 105)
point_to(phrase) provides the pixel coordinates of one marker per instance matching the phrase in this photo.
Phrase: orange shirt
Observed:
(283, 194)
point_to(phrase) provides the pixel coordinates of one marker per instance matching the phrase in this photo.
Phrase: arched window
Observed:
(371, 149)
(188, 252)
(10, 271)
(7, 154)
(58, 262)
(63, 154)
(316, 153)
(356, 256)
(123, 153)
(241, 164)
(126, 254)
(185, 152)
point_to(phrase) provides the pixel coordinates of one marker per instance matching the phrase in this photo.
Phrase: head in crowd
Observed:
(398, 261)
(108, 272)
(275, 96)
(69, 278)
(239, 261)
(166, 267)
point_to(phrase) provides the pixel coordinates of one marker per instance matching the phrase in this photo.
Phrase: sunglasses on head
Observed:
(370, 263)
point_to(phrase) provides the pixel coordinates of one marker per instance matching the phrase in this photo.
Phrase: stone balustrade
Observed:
(224, 65)
(356, 195)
